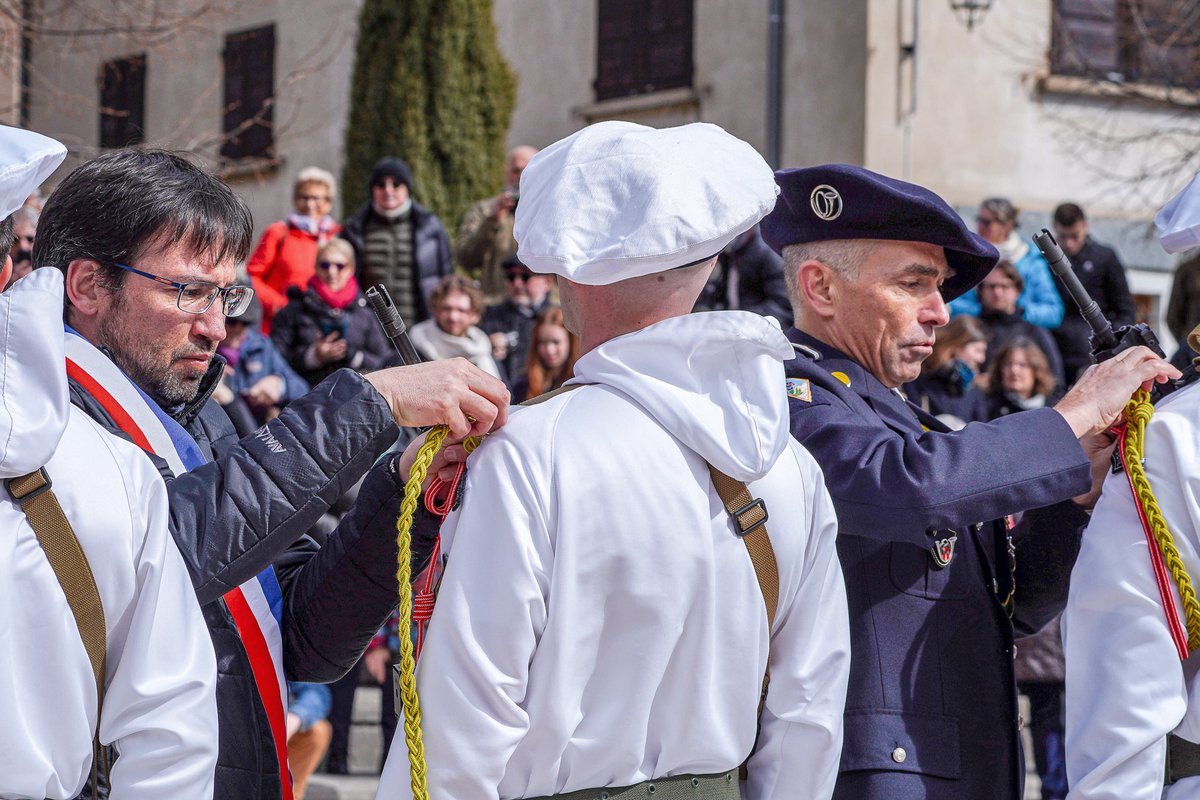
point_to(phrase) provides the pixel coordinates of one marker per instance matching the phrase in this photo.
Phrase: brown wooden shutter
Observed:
(643, 46)
(123, 101)
(1163, 42)
(1086, 38)
(249, 90)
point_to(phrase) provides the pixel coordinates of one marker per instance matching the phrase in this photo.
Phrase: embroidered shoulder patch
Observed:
(799, 389)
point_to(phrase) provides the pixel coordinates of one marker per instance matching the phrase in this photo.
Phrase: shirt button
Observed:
(899, 754)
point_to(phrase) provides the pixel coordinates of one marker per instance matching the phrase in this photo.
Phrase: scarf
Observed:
(395, 213)
(339, 298)
(257, 605)
(321, 230)
(435, 343)
(1013, 249)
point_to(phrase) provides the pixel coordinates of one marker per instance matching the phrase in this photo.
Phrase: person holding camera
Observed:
(510, 322)
(485, 238)
(328, 324)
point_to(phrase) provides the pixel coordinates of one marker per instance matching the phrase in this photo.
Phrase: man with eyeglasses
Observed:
(149, 245)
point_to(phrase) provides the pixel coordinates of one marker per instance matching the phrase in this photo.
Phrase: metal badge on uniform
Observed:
(841, 376)
(799, 388)
(943, 550)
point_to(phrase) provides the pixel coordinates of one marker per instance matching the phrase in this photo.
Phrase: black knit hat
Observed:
(394, 168)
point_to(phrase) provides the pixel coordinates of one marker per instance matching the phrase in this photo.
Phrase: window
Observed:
(1136, 41)
(249, 94)
(123, 101)
(643, 46)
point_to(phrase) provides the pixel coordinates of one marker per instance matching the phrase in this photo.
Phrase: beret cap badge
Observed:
(826, 202)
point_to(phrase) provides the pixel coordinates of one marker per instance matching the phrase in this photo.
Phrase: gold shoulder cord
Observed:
(1137, 414)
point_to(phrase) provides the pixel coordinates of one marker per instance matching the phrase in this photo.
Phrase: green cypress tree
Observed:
(432, 87)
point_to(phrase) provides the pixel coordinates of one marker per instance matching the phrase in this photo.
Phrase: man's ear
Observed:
(6, 272)
(819, 285)
(83, 287)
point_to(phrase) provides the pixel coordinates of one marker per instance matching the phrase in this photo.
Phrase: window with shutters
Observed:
(1128, 41)
(123, 101)
(643, 46)
(249, 94)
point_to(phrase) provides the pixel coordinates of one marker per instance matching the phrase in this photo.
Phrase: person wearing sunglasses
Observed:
(327, 324)
(399, 242)
(997, 223)
(149, 243)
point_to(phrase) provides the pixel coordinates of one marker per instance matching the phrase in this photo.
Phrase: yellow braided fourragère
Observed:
(1137, 414)
(408, 664)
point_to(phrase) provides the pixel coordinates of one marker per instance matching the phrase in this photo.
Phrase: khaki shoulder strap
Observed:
(34, 494)
(750, 519)
(544, 396)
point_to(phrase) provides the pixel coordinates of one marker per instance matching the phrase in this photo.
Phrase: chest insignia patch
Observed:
(943, 550)
(799, 388)
(841, 376)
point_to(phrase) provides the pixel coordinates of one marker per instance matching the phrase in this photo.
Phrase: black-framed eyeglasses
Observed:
(198, 297)
(332, 266)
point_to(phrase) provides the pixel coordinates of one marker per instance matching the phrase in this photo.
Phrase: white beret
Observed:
(617, 200)
(1178, 222)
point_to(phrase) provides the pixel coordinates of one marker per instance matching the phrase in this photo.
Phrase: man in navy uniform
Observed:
(936, 580)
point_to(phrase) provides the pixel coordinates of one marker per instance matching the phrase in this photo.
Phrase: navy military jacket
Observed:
(931, 710)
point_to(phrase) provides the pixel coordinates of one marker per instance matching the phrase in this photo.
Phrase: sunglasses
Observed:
(332, 266)
(513, 277)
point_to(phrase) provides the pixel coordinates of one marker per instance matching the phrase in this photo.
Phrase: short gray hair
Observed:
(316, 175)
(843, 256)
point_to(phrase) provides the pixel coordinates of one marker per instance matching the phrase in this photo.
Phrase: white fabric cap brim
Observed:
(1178, 222)
(26, 159)
(618, 200)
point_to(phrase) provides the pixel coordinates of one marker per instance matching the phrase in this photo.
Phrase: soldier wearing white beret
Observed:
(125, 660)
(1130, 637)
(601, 629)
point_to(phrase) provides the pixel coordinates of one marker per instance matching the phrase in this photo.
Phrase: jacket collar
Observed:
(896, 412)
(208, 385)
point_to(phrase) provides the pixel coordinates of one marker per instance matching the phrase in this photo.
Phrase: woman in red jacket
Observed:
(288, 250)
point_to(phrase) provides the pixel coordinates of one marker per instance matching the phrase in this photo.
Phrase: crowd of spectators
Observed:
(1015, 343)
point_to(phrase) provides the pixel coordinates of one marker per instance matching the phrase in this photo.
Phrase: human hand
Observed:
(1098, 447)
(452, 392)
(330, 348)
(503, 205)
(1102, 391)
(499, 346)
(377, 660)
(445, 461)
(267, 392)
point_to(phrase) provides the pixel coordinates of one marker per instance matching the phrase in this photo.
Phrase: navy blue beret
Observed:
(840, 201)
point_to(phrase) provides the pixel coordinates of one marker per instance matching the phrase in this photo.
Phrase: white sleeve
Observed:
(1125, 684)
(160, 705)
(800, 738)
(491, 611)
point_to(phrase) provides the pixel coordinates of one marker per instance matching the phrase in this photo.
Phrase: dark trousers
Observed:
(1046, 726)
(342, 712)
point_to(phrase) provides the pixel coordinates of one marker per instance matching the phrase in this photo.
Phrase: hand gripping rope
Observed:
(408, 664)
(1164, 555)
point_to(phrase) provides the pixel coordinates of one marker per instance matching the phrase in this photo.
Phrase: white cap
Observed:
(1178, 222)
(617, 200)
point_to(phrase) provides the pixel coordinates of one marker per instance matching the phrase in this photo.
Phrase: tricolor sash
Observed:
(257, 605)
